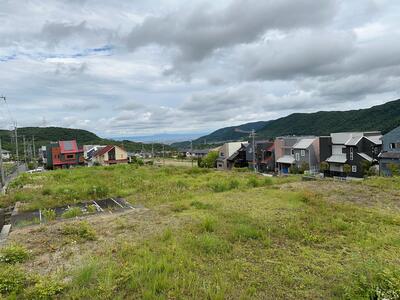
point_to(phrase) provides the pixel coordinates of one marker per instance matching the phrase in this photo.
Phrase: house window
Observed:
(303, 153)
(392, 145)
(354, 169)
(222, 154)
(70, 156)
(351, 154)
(297, 156)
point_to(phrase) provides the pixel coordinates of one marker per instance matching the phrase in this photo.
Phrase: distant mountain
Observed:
(167, 138)
(381, 117)
(44, 135)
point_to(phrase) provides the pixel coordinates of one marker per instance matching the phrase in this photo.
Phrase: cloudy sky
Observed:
(151, 66)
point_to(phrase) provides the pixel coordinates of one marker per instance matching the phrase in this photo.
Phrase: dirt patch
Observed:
(51, 251)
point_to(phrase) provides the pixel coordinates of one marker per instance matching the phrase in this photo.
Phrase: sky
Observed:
(126, 68)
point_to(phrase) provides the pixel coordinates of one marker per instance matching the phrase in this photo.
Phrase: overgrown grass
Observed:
(213, 235)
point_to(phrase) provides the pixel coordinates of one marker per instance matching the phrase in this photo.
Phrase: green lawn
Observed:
(208, 235)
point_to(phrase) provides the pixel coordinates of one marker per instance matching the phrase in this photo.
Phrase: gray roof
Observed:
(366, 157)
(341, 159)
(286, 159)
(391, 155)
(303, 144)
(376, 139)
(353, 141)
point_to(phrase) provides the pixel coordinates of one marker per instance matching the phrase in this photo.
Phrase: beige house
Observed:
(110, 155)
(225, 152)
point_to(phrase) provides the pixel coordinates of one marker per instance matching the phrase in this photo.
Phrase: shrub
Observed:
(253, 182)
(49, 214)
(233, 184)
(44, 288)
(210, 160)
(91, 209)
(12, 280)
(13, 254)
(80, 230)
(73, 212)
(218, 187)
(324, 166)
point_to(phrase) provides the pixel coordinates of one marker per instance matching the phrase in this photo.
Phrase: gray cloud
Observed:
(200, 31)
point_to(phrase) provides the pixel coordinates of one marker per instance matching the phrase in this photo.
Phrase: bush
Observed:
(49, 214)
(80, 230)
(210, 160)
(218, 187)
(73, 212)
(253, 182)
(233, 184)
(91, 209)
(12, 280)
(13, 254)
(44, 288)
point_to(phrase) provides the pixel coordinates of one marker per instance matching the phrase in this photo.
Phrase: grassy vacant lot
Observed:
(206, 235)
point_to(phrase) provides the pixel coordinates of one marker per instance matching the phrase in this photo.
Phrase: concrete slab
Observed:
(4, 232)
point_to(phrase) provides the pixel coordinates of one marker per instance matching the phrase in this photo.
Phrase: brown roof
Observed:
(103, 151)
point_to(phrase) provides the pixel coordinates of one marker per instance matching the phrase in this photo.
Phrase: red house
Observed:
(64, 154)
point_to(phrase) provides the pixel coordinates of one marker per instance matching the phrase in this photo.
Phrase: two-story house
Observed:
(229, 153)
(64, 154)
(356, 149)
(306, 153)
(389, 159)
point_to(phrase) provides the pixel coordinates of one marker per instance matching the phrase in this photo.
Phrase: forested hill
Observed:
(381, 117)
(44, 135)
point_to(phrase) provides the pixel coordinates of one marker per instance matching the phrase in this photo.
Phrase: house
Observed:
(89, 150)
(64, 154)
(42, 154)
(284, 154)
(5, 154)
(389, 159)
(264, 156)
(200, 153)
(359, 150)
(110, 155)
(306, 154)
(228, 155)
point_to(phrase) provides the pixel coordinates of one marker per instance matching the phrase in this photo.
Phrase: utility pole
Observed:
(152, 150)
(253, 135)
(1, 166)
(163, 153)
(191, 151)
(34, 148)
(23, 139)
(16, 145)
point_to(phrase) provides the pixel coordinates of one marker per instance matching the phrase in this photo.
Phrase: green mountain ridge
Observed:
(383, 117)
(45, 135)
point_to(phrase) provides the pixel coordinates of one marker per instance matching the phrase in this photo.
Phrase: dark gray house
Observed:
(264, 156)
(389, 159)
(356, 149)
(306, 152)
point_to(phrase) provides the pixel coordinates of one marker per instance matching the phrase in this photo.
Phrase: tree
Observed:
(347, 169)
(304, 167)
(366, 165)
(324, 166)
(210, 160)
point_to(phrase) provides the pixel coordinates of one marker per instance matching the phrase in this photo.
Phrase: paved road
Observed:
(21, 169)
